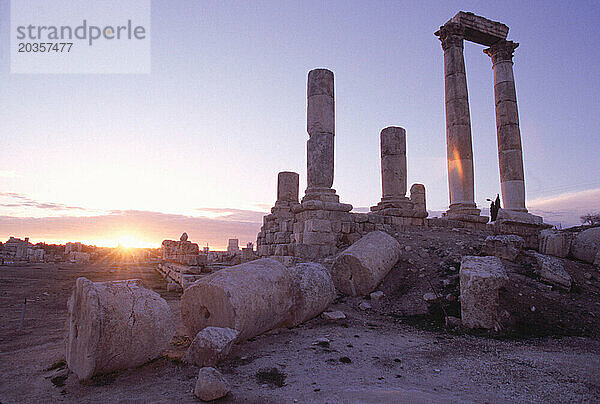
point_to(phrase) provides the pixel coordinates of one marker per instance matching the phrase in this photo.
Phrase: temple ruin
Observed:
(320, 225)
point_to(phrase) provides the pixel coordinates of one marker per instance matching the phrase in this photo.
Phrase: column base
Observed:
(399, 206)
(320, 194)
(465, 212)
(509, 216)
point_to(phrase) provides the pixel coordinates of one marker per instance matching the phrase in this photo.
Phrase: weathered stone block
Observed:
(115, 325)
(210, 346)
(358, 270)
(503, 246)
(586, 245)
(252, 298)
(554, 242)
(317, 225)
(210, 385)
(552, 270)
(317, 238)
(313, 292)
(480, 281)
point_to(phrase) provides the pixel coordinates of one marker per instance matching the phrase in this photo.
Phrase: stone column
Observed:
(393, 163)
(510, 155)
(321, 130)
(393, 174)
(287, 187)
(458, 126)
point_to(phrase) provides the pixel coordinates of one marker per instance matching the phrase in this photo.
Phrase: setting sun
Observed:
(129, 241)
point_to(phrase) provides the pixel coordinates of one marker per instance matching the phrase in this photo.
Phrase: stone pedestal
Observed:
(458, 127)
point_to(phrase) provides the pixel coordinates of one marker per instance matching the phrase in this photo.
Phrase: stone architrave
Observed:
(510, 155)
(458, 127)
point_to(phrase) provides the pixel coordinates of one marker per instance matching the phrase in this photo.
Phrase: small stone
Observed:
(407, 248)
(210, 385)
(446, 282)
(334, 315)
(450, 297)
(429, 297)
(210, 346)
(532, 308)
(376, 295)
(364, 306)
(587, 275)
(322, 342)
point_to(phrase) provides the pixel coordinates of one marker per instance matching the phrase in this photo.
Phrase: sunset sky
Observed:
(196, 144)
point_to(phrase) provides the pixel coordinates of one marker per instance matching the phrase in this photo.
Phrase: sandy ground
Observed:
(384, 359)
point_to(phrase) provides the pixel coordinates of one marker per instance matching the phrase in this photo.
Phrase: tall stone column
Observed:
(321, 130)
(393, 162)
(510, 155)
(458, 127)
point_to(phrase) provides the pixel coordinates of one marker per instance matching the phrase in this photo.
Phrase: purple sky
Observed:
(103, 157)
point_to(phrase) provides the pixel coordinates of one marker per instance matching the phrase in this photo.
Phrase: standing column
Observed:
(510, 156)
(393, 163)
(458, 125)
(321, 130)
(287, 187)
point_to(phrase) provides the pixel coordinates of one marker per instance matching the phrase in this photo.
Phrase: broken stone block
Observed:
(313, 292)
(480, 281)
(115, 325)
(586, 245)
(556, 243)
(503, 246)
(210, 385)
(364, 306)
(552, 271)
(358, 270)
(252, 298)
(334, 315)
(210, 346)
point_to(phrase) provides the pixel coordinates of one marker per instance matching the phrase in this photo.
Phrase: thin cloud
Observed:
(8, 174)
(19, 200)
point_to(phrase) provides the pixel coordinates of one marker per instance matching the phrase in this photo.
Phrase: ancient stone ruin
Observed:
(319, 225)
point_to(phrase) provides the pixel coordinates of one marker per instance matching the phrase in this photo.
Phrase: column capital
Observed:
(451, 35)
(501, 51)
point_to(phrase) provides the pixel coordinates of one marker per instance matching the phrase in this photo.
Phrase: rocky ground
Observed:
(396, 351)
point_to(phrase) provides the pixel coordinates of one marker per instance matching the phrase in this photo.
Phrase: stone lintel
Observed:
(479, 29)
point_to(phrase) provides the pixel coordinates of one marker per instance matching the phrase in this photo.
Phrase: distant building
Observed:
(15, 249)
(72, 247)
(233, 246)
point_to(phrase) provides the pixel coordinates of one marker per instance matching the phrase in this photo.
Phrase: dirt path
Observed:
(384, 360)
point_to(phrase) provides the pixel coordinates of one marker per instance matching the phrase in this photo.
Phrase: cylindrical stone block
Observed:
(252, 298)
(288, 186)
(320, 105)
(512, 178)
(115, 325)
(393, 162)
(320, 158)
(358, 270)
(313, 292)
